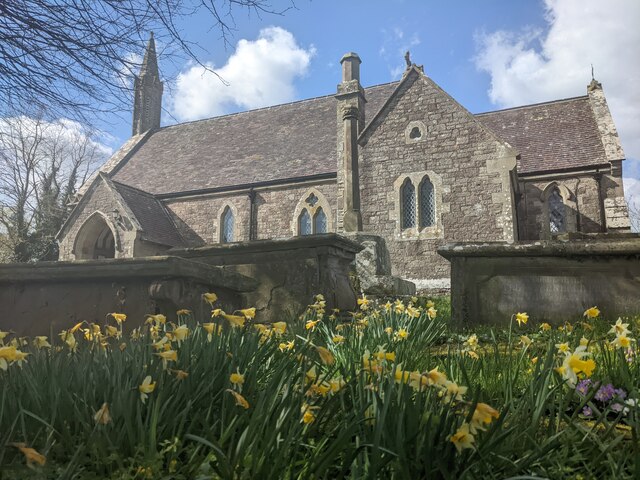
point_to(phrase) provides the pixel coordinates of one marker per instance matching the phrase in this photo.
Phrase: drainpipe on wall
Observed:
(252, 215)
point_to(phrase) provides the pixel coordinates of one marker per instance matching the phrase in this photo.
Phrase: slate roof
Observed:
(299, 139)
(285, 141)
(550, 136)
(157, 225)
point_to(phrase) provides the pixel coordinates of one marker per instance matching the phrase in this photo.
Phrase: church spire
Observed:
(147, 102)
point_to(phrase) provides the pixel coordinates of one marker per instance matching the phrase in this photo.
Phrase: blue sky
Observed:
(487, 54)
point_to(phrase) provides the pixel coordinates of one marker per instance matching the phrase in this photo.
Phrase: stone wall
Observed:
(198, 218)
(552, 281)
(467, 164)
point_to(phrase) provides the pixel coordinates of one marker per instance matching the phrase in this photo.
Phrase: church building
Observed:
(402, 160)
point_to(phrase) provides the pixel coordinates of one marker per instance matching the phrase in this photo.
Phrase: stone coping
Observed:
(620, 246)
(331, 240)
(119, 268)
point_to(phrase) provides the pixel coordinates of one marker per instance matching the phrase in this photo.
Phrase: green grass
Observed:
(374, 426)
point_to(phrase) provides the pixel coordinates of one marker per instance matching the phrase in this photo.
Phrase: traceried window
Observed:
(427, 204)
(320, 221)
(227, 226)
(408, 204)
(304, 223)
(557, 217)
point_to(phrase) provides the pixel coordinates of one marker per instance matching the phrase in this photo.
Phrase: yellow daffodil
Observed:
(248, 312)
(7, 354)
(473, 354)
(183, 311)
(432, 312)
(158, 319)
(308, 416)
(417, 381)
(240, 400)
(364, 302)
(592, 312)
(322, 389)
(102, 416)
(337, 339)
(146, 387)
(336, 384)
(522, 318)
(483, 415)
(620, 328)
(76, 327)
(168, 356)
(68, 338)
(574, 365)
(622, 341)
(402, 334)
(311, 324)
(180, 333)
(584, 342)
(31, 455)
(413, 312)
(279, 327)
(119, 317)
(311, 375)
(472, 342)
(453, 391)
(534, 360)
(210, 328)
(111, 331)
(326, 356)
(3, 335)
(388, 330)
(236, 378)
(398, 306)
(40, 341)
(545, 327)
(234, 320)
(525, 341)
(562, 347)
(401, 376)
(210, 298)
(462, 438)
(286, 346)
(430, 304)
(387, 307)
(216, 312)
(435, 377)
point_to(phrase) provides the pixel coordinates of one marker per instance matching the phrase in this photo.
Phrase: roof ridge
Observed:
(144, 192)
(268, 107)
(568, 99)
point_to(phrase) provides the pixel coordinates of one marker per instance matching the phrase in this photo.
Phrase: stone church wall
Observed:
(583, 207)
(199, 218)
(468, 167)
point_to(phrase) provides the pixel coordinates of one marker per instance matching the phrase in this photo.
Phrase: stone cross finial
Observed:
(407, 59)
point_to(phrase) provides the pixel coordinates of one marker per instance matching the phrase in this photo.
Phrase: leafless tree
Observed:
(42, 164)
(69, 56)
(634, 213)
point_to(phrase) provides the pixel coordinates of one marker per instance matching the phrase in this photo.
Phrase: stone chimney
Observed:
(350, 122)
(147, 100)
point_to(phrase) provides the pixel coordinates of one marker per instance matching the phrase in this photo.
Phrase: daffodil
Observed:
(279, 327)
(180, 374)
(472, 342)
(210, 298)
(159, 319)
(102, 416)
(364, 302)
(525, 341)
(401, 376)
(620, 328)
(311, 324)
(180, 333)
(240, 400)
(463, 438)
(119, 317)
(210, 328)
(483, 415)
(592, 312)
(562, 347)
(545, 327)
(337, 339)
(234, 320)
(402, 334)
(3, 335)
(7, 354)
(522, 318)
(146, 387)
(31, 455)
(622, 341)
(326, 356)
(311, 375)
(286, 346)
(473, 354)
(574, 365)
(336, 384)
(248, 312)
(168, 356)
(68, 338)
(112, 331)
(216, 312)
(432, 312)
(237, 379)
(453, 391)
(308, 416)
(387, 307)
(183, 311)
(417, 381)
(430, 304)
(413, 312)
(40, 341)
(398, 306)
(435, 377)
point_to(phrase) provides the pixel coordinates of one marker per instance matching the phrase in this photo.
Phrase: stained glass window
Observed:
(557, 219)
(320, 221)
(427, 204)
(227, 226)
(304, 223)
(408, 199)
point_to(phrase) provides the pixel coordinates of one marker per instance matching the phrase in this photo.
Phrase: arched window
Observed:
(304, 223)
(427, 204)
(227, 226)
(408, 199)
(95, 239)
(320, 221)
(557, 217)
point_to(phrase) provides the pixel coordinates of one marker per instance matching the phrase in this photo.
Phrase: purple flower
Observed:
(617, 407)
(605, 393)
(587, 412)
(620, 393)
(583, 386)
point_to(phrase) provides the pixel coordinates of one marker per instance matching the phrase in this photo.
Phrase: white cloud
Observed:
(394, 45)
(534, 65)
(259, 73)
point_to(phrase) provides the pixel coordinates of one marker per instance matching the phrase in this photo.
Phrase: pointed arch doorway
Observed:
(95, 239)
